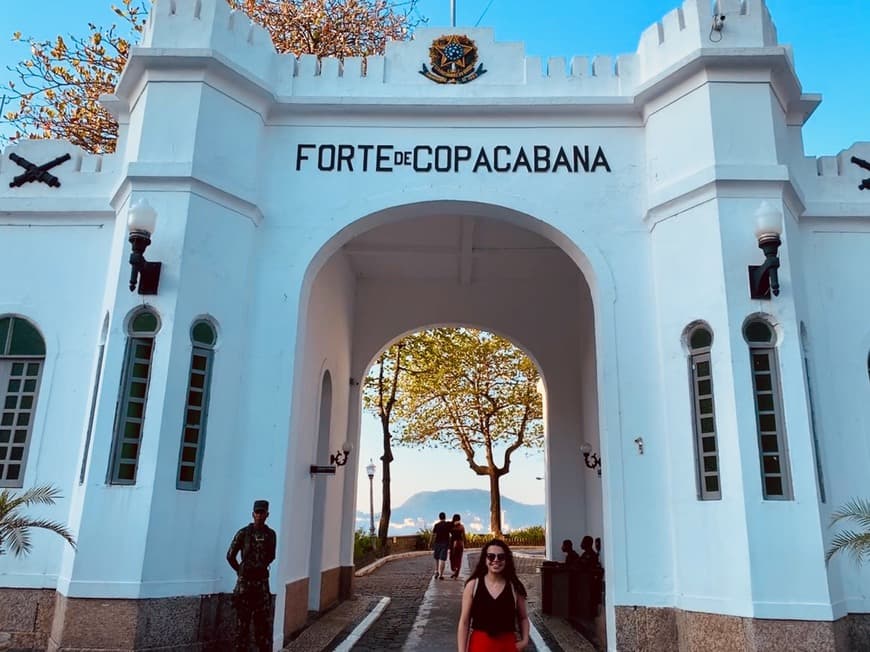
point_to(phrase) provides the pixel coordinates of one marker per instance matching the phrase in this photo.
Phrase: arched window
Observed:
(773, 453)
(203, 337)
(141, 329)
(22, 354)
(699, 339)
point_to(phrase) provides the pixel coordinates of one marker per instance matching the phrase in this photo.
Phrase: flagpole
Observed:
(453, 13)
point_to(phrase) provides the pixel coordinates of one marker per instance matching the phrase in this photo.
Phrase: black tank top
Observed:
(493, 615)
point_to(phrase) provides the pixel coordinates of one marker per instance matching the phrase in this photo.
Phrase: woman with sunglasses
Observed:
(493, 601)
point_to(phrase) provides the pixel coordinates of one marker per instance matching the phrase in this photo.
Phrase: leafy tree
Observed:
(331, 28)
(472, 391)
(59, 85)
(15, 525)
(379, 397)
(855, 542)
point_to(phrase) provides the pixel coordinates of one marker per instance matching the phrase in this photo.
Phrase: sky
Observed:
(829, 38)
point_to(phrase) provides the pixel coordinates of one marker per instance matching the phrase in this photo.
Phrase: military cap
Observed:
(261, 505)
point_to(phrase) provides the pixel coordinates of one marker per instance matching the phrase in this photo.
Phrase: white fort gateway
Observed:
(604, 216)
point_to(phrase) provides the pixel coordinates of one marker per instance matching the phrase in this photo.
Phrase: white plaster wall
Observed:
(325, 340)
(59, 292)
(836, 251)
(214, 284)
(212, 142)
(783, 535)
(86, 575)
(709, 537)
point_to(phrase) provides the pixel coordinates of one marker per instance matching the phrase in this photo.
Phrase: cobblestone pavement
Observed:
(405, 582)
(423, 612)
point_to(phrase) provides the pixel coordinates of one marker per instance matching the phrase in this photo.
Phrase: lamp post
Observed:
(370, 470)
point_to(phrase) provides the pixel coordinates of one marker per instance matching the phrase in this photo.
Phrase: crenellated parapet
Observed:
(693, 26)
(842, 165)
(179, 28)
(831, 185)
(65, 176)
(209, 25)
(847, 177)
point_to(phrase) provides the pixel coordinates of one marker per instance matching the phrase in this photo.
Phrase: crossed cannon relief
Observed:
(861, 163)
(35, 172)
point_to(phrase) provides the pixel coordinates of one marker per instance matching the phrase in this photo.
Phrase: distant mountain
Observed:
(421, 511)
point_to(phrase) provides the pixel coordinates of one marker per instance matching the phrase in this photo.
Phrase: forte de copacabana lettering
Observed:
(450, 158)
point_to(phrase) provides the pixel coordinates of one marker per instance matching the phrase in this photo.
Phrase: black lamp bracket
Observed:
(339, 458)
(592, 461)
(764, 278)
(142, 272)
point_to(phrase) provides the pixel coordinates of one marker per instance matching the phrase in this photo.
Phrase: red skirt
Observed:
(456, 557)
(480, 641)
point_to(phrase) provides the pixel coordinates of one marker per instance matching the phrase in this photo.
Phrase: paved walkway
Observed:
(401, 606)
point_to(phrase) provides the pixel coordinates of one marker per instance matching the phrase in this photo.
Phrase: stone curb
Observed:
(375, 565)
(366, 570)
(362, 627)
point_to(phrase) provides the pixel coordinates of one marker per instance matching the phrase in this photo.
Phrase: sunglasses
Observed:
(496, 556)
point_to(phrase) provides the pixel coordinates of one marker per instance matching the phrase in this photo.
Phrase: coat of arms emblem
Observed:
(453, 58)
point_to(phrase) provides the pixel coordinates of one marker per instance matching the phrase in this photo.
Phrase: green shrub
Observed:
(530, 536)
(424, 534)
(364, 551)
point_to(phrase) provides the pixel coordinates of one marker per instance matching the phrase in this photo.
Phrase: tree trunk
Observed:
(384, 522)
(386, 509)
(494, 503)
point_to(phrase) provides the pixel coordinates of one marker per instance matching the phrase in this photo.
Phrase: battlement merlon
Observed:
(180, 31)
(82, 181)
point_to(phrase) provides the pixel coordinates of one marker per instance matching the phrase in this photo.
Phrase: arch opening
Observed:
(412, 267)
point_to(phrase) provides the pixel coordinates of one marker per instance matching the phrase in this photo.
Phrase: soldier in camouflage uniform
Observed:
(251, 597)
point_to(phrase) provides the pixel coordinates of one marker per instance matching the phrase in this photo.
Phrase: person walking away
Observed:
(251, 597)
(457, 545)
(493, 602)
(440, 544)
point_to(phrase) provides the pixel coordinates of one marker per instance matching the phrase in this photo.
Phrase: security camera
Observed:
(718, 22)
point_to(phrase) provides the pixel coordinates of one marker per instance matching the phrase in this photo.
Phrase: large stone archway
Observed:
(481, 265)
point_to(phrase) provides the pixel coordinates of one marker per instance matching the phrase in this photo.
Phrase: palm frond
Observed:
(15, 527)
(857, 509)
(17, 540)
(40, 495)
(16, 532)
(857, 544)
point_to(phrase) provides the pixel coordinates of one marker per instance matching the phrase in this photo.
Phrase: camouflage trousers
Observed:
(253, 603)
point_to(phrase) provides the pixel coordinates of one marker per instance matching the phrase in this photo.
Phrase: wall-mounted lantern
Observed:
(141, 221)
(592, 460)
(336, 459)
(764, 278)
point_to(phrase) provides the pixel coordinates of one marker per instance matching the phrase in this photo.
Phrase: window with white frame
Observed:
(203, 338)
(22, 354)
(130, 418)
(699, 339)
(772, 449)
